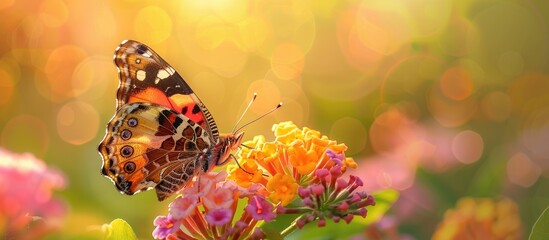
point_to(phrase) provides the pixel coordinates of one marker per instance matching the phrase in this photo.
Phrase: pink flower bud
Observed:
(322, 173)
(348, 218)
(366, 202)
(308, 202)
(343, 207)
(280, 210)
(300, 223)
(321, 222)
(335, 171)
(317, 190)
(371, 200)
(311, 217)
(240, 225)
(303, 192)
(355, 197)
(361, 212)
(340, 184)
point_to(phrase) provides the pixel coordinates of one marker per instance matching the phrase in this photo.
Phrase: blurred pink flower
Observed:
(26, 186)
(402, 144)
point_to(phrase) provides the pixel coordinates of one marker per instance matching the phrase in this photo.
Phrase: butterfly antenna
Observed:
(244, 113)
(263, 115)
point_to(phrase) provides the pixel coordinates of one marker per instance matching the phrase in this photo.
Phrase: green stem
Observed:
(289, 229)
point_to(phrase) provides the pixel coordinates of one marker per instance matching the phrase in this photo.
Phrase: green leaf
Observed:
(118, 229)
(540, 231)
(273, 234)
(384, 200)
(274, 228)
(332, 230)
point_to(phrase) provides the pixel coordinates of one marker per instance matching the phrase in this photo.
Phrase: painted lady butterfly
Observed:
(161, 135)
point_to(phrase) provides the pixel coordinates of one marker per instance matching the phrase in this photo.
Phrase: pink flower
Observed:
(164, 226)
(204, 183)
(219, 198)
(219, 217)
(260, 209)
(252, 189)
(182, 207)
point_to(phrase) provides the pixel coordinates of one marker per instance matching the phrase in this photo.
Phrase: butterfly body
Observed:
(161, 135)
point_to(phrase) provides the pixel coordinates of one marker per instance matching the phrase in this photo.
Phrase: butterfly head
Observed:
(228, 143)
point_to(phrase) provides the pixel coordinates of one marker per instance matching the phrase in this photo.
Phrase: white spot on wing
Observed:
(140, 75)
(147, 54)
(162, 74)
(131, 108)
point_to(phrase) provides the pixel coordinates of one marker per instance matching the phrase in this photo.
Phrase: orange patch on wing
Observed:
(181, 101)
(152, 95)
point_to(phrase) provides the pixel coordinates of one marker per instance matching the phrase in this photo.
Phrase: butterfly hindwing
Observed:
(151, 146)
(146, 77)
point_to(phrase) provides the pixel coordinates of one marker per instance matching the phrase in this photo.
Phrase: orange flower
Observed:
(248, 174)
(481, 219)
(283, 189)
(304, 161)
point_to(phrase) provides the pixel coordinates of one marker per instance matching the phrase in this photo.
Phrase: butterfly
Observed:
(161, 135)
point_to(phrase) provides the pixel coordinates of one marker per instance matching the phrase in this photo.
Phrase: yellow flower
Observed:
(481, 219)
(282, 188)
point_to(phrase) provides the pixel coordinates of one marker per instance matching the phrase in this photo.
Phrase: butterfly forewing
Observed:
(146, 77)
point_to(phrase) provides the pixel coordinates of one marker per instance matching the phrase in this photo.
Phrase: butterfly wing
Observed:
(150, 146)
(146, 77)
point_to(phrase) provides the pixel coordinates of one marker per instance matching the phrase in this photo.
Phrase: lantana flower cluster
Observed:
(301, 172)
(288, 162)
(28, 209)
(481, 218)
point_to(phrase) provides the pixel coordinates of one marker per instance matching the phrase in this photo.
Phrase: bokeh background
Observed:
(437, 99)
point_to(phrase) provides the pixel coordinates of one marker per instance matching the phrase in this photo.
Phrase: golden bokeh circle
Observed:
(350, 131)
(77, 122)
(152, 25)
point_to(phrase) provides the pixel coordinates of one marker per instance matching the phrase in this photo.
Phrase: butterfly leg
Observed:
(248, 147)
(198, 187)
(238, 164)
